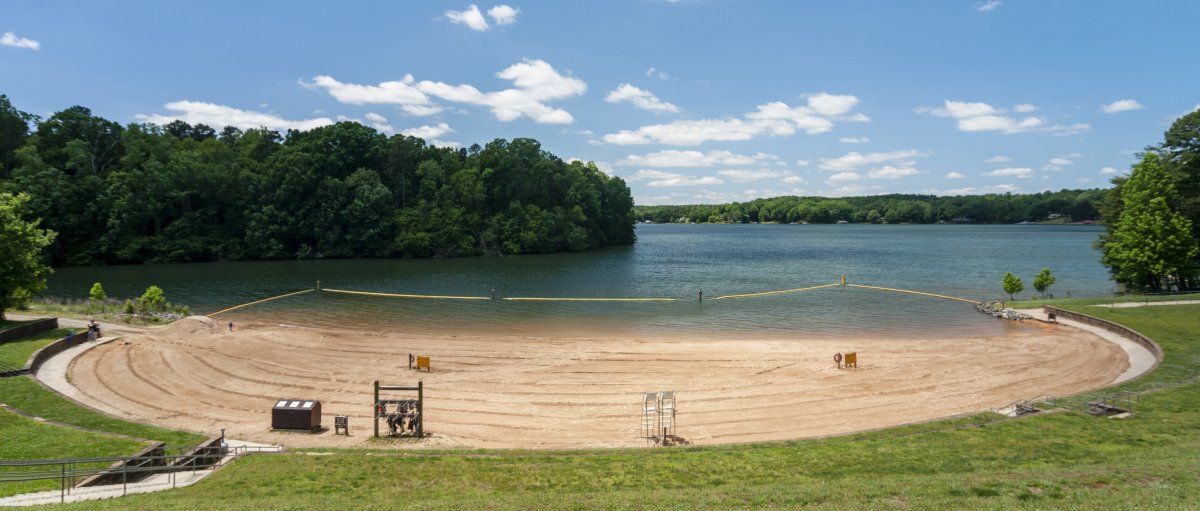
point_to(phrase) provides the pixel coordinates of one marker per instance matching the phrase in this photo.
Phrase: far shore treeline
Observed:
(1008, 208)
(178, 193)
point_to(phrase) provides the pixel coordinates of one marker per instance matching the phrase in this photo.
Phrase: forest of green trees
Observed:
(174, 193)
(1078, 205)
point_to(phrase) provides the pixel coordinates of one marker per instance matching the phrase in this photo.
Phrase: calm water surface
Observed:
(675, 261)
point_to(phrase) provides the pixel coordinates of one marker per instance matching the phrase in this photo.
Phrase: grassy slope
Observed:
(1060, 460)
(1031, 303)
(24, 394)
(27, 439)
(16, 353)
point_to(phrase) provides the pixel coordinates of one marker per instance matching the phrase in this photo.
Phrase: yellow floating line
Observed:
(258, 301)
(592, 299)
(914, 292)
(774, 292)
(396, 295)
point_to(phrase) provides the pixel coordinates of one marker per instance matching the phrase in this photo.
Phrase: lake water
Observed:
(675, 261)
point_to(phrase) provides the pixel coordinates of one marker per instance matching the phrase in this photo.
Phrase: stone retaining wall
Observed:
(41, 356)
(1121, 330)
(34, 327)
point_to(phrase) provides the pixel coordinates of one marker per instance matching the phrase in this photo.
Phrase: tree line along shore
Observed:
(182, 193)
(90, 191)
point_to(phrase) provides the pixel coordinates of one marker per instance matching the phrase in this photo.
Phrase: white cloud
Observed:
(853, 160)
(432, 134)
(831, 105)
(955, 175)
(997, 159)
(471, 17)
(676, 158)
(793, 180)
(773, 119)
(802, 163)
(1019, 172)
(972, 190)
(1109, 171)
(11, 39)
(845, 190)
(1057, 164)
(748, 176)
(379, 122)
(219, 116)
(643, 99)
(536, 81)
(985, 117)
(890, 172)
(842, 177)
(988, 6)
(658, 73)
(854, 140)
(402, 93)
(660, 179)
(1024, 108)
(503, 14)
(1123, 105)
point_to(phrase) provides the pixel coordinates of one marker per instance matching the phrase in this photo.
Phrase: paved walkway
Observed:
(53, 373)
(1123, 305)
(1141, 360)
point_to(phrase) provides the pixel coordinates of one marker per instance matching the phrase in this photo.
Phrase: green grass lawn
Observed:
(1031, 303)
(15, 353)
(23, 393)
(1054, 460)
(27, 439)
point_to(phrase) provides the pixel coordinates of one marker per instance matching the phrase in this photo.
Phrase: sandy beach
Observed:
(582, 392)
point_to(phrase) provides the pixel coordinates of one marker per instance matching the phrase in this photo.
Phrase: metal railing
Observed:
(130, 469)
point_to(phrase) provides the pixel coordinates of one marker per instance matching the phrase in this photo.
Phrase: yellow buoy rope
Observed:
(397, 295)
(747, 295)
(591, 299)
(913, 292)
(258, 301)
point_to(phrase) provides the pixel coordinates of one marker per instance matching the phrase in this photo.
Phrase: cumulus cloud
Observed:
(11, 39)
(1122, 105)
(676, 158)
(536, 81)
(1057, 164)
(432, 134)
(974, 116)
(773, 119)
(503, 14)
(955, 175)
(997, 159)
(379, 122)
(802, 163)
(1024, 108)
(854, 140)
(793, 179)
(660, 179)
(640, 98)
(972, 190)
(842, 177)
(748, 176)
(402, 93)
(1020, 172)
(988, 6)
(1109, 171)
(218, 116)
(890, 172)
(658, 73)
(471, 17)
(854, 160)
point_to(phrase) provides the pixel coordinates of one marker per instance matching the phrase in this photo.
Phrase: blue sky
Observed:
(690, 101)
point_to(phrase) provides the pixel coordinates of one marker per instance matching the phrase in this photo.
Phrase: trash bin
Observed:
(298, 414)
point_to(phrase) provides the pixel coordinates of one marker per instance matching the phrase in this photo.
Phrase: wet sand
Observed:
(574, 392)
